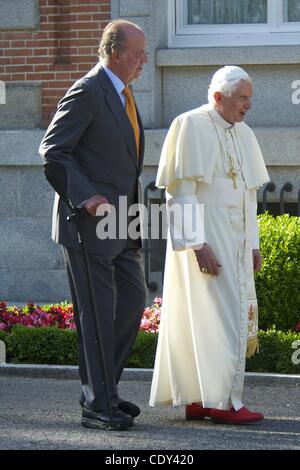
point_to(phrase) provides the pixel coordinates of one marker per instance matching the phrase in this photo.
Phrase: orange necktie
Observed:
(131, 113)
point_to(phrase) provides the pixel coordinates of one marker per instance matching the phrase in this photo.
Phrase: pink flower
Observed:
(151, 317)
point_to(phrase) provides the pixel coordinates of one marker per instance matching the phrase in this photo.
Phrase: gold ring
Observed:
(204, 270)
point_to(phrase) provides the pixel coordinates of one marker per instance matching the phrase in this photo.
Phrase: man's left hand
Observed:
(93, 203)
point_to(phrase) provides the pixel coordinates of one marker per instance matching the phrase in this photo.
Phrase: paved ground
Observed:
(38, 412)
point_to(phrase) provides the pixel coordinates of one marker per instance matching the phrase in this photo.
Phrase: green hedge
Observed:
(278, 282)
(143, 351)
(56, 346)
(48, 345)
(276, 350)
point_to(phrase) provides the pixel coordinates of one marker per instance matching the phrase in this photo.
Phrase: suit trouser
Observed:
(120, 293)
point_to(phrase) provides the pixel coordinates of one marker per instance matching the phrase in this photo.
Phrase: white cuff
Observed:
(186, 222)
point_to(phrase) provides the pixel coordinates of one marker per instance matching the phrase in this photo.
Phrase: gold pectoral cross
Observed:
(232, 174)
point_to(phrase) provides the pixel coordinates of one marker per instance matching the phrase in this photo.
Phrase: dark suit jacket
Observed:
(92, 137)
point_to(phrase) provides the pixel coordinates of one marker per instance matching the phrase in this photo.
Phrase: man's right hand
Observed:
(94, 202)
(207, 261)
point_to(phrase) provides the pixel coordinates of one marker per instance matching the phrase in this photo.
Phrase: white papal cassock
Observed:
(206, 320)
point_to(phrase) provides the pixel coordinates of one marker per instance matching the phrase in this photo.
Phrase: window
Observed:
(234, 22)
(226, 12)
(291, 11)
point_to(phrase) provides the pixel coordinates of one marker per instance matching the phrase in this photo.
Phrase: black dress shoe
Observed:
(129, 408)
(100, 420)
(125, 406)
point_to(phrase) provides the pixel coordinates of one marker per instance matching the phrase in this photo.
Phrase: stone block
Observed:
(272, 100)
(44, 285)
(7, 284)
(280, 145)
(35, 196)
(154, 140)
(25, 244)
(23, 106)
(20, 147)
(8, 185)
(145, 102)
(36, 285)
(19, 14)
(133, 8)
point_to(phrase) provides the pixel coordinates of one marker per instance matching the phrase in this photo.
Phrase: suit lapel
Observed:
(117, 109)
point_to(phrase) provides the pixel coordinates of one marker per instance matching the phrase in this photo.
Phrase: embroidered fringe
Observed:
(252, 346)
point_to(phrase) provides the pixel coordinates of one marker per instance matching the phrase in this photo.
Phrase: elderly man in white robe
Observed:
(211, 166)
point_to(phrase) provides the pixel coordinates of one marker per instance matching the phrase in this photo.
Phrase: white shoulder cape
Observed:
(191, 150)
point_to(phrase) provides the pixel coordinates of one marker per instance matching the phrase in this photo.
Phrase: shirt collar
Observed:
(218, 118)
(116, 81)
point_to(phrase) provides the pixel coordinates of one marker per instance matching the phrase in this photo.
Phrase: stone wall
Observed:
(44, 46)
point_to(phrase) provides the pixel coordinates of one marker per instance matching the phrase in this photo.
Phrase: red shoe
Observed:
(196, 411)
(242, 416)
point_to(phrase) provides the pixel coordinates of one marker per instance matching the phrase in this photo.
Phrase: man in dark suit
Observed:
(93, 136)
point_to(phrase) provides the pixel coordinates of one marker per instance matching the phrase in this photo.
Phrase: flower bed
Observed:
(47, 335)
(61, 316)
(35, 316)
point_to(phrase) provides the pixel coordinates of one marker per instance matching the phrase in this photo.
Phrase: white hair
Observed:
(226, 81)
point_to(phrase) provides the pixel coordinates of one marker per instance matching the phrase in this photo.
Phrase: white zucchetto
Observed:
(229, 73)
